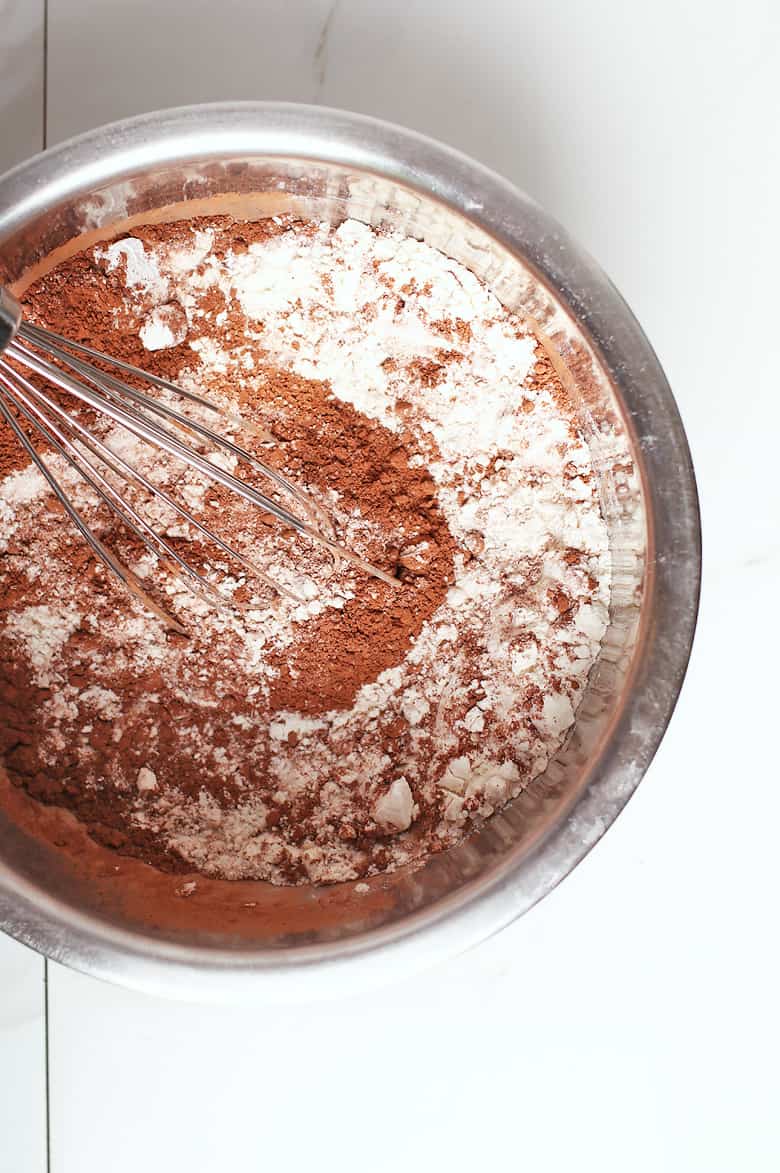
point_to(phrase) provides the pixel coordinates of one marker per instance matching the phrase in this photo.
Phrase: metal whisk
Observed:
(27, 350)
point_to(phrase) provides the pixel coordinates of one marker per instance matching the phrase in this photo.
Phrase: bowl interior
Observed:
(48, 851)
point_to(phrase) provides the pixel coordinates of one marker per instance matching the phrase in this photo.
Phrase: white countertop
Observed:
(629, 1021)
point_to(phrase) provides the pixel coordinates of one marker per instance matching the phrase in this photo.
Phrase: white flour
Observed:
(524, 618)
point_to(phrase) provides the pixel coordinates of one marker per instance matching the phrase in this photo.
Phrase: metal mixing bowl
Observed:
(117, 919)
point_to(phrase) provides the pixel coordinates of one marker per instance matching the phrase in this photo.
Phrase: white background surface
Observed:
(630, 1021)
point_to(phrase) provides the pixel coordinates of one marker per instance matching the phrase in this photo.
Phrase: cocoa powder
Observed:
(325, 444)
(189, 715)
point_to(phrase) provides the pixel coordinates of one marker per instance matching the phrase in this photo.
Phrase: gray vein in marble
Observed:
(320, 59)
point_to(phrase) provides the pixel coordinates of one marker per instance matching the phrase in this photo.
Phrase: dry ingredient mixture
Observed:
(367, 726)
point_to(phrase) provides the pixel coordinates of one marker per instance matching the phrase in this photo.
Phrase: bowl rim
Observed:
(122, 149)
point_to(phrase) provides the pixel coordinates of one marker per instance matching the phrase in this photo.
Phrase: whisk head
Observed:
(43, 376)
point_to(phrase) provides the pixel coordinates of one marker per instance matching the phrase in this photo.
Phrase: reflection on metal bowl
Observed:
(121, 920)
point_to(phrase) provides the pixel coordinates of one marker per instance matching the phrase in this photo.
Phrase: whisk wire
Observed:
(48, 338)
(122, 572)
(155, 434)
(129, 516)
(159, 436)
(55, 360)
(107, 382)
(123, 468)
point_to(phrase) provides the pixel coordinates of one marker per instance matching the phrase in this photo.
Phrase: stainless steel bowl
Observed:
(85, 907)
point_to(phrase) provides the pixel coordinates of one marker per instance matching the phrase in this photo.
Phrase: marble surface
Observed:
(630, 1020)
(21, 79)
(23, 1106)
(22, 992)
